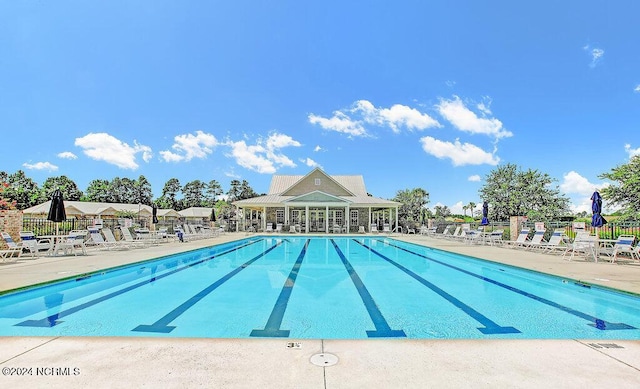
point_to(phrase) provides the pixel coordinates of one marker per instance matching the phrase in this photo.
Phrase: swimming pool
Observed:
(315, 287)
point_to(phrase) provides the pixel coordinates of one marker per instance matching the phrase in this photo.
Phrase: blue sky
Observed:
(430, 94)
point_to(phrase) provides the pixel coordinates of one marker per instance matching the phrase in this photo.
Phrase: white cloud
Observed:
(573, 182)
(67, 155)
(40, 166)
(466, 120)
(264, 156)
(632, 152)
(460, 154)
(595, 53)
(104, 147)
(395, 117)
(339, 123)
(475, 178)
(189, 146)
(581, 189)
(637, 89)
(457, 208)
(310, 162)
(318, 148)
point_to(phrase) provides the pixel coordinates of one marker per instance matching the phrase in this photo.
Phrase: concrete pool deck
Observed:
(271, 363)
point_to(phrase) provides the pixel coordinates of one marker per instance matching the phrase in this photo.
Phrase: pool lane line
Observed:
(383, 330)
(490, 327)
(53, 320)
(594, 321)
(162, 324)
(272, 328)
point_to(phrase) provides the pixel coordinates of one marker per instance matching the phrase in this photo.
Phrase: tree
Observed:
(98, 191)
(23, 190)
(234, 191)
(464, 210)
(471, 206)
(123, 190)
(625, 191)
(441, 212)
(143, 191)
(169, 197)
(511, 191)
(212, 192)
(67, 186)
(413, 202)
(246, 192)
(194, 194)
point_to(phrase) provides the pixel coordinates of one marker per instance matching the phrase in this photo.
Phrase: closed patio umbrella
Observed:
(597, 220)
(213, 215)
(154, 213)
(485, 214)
(57, 213)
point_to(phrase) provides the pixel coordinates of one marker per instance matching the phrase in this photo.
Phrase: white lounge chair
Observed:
(520, 240)
(71, 244)
(99, 242)
(386, 228)
(624, 244)
(361, 230)
(33, 244)
(535, 241)
(373, 228)
(14, 249)
(583, 244)
(557, 240)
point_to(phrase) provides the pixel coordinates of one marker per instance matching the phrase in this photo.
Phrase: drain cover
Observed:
(324, 359)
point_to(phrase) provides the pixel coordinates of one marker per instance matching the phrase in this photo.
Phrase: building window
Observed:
(317, 182)
(280, 216)
(295, 216)
(354, 218)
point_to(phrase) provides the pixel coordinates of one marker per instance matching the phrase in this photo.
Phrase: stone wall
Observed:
(11, 222)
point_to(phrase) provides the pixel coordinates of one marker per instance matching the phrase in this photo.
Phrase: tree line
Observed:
(508, 189)
(22, 192)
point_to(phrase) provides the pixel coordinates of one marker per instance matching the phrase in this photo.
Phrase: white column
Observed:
(286, 215)
(347, 217)
(306, 219)
(326, 219)
(264, 218)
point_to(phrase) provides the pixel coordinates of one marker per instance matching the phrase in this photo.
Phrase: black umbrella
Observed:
(485, 214)
(154, 213)
(57, 213)
(213, 215)
(596, 207)
(597, 220)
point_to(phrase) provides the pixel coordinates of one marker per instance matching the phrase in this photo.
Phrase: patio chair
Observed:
(110, 237)
(269, 227)
(535, 241)
(557, 240)
(520, 240)
(33, 244)
(71, 244)
(495, 237)
(386, 228)
(292, 229)
(14, 249)
(624, 244)
(99, 242)
(583, 244)
(361, 230)
(278, 228)
(373, 228)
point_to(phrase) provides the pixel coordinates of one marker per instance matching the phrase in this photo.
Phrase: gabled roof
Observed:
(89, 208)
(305, 189)
(316, 197)
(286, 185)
(196, 212)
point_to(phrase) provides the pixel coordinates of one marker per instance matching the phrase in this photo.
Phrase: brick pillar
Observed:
(11, 222)
(515, 225)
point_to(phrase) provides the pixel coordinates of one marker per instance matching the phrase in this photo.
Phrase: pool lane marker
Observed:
(162, 325)
(593, 321)
(53, 320)
(383, 330)
(490, 327)
(272, 328)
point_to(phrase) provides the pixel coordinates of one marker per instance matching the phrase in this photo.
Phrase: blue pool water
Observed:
(313, 287)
